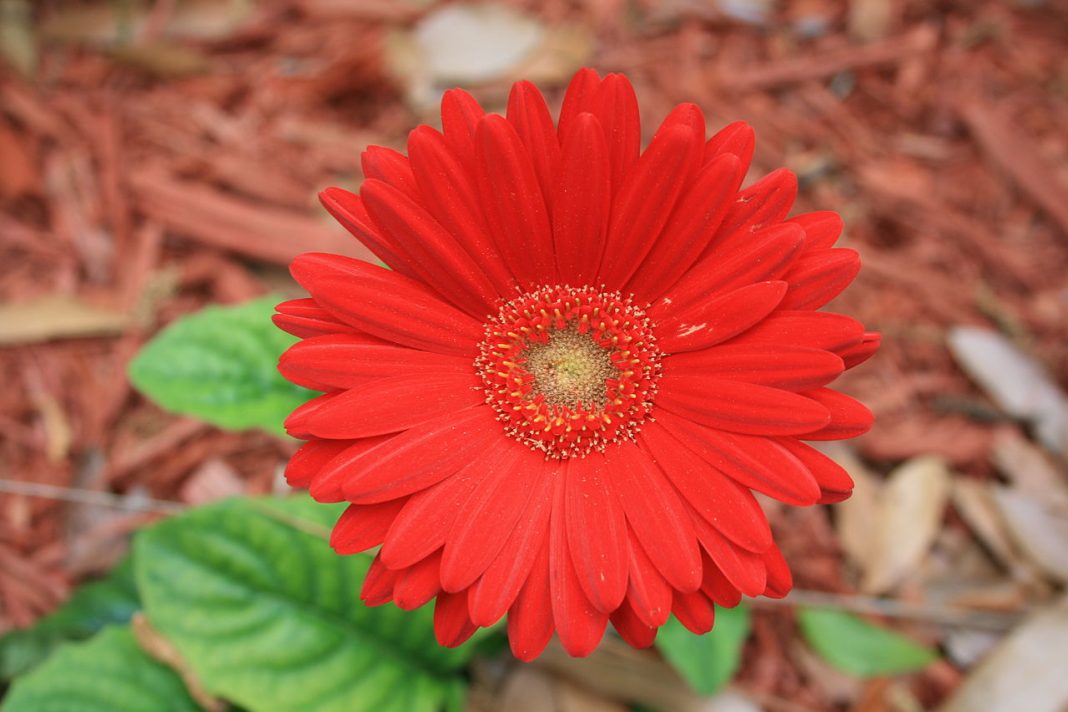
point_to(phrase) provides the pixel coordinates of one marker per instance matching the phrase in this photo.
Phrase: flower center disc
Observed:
(569, 370)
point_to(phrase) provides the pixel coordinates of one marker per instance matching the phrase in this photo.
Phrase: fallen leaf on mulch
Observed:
(1039, 527)
(1025, 672)
(912, 504)
(57, 317)
(1015, 381)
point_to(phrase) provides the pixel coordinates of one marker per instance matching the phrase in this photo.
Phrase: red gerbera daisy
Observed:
(584, 359)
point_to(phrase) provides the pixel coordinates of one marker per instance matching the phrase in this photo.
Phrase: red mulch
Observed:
(154, 183)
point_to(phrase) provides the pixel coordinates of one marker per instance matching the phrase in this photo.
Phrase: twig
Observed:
(891, 608)
(129, 503)
(827, 63)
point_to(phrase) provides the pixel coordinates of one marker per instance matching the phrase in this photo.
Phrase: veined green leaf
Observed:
(220, 365)
(859, 648)
(110, 600)
(268, 616)
(707, 662)
(108, 673)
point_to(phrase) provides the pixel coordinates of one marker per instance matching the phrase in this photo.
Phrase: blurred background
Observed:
(156, 157)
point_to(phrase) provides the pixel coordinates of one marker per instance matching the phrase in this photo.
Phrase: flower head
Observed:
(585, 358)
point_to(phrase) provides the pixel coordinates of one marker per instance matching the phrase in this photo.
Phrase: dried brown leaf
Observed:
(1015, 381)
(913, 503)
(56, 317)
(1039, 527)
(1025, 672)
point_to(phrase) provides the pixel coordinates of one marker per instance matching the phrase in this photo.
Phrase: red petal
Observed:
(450, 196)
(422, 525)
(822, 228)
(451, 624)
(818, 330)
(530, 619)
(349, 210)
(859, 353)
(617, 108)
(766, 256)
(390, 405)
(435, 255)
(717, 587)
(690, 228)
(378, 584)
(657, 517)
(581, 202)
(726, 505)
(489, 515)
(513, 203)
(744, 569)
(716, 320)
(596, 531)
(737, 139)
(741, 407)
(297, 421)
(460, 114)
(310, 458)
(819, 276)
(417, 458)
(643, 203)
(648, 592)
(418, 583)
(304, 318)
(835, 483)
(793, 368)
(765, 203)
(780, 580)
(350, 360)
(392, 167)
(849, 417)
(326, 484)
(632, 628)
(578, 99)
(579, 625)
(496, 591)
(386, 304)
(685, 114)
(362, 526)
(530, 116)
(694, 611)
(757, 463)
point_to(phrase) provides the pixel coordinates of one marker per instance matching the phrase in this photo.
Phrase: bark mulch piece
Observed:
(153, 177)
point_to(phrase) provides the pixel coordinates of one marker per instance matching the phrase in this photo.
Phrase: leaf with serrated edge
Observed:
(110, 600)
(220, 365)
(708, 661)
(860, 648)
(268, 616)
(108, 673)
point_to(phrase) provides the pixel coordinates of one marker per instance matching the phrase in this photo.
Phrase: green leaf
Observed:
(268, 616)
(220, 365)
(859, 648)
(110, 600)
(108, 673)
(707, 662)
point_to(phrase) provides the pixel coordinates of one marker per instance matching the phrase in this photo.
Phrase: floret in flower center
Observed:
(569, 370)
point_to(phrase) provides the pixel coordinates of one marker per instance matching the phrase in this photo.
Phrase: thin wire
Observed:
(939, 614)
(129, 503)
(893, 608)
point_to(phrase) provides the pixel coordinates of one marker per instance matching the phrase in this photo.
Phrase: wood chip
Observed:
(214, 218)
